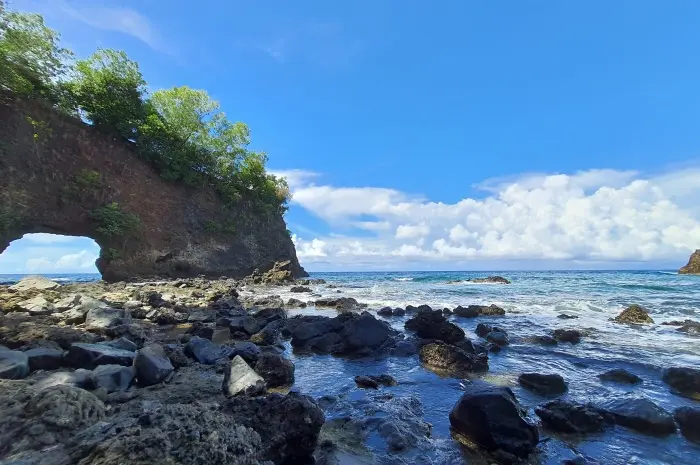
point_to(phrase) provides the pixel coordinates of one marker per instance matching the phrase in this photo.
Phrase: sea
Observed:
(534, 302)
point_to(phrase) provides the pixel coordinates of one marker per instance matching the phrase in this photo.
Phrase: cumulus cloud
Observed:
(595, 216)
(82, 261)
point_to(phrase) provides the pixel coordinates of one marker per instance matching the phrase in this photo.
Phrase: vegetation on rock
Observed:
(180, 131)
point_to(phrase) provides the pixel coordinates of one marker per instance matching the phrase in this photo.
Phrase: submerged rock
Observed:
(453, 360)
(433, 325)
(300, 289)
(568, 417)
(296, 303)
(374, 381)
(239, 378)
(386, 311)
(688, 420)
(490, 417)
(639, 414)
(490, 279)
(685, 381)
(634, 314)
(567, 335)
(473, 311)
(544, 385)
(620, 375)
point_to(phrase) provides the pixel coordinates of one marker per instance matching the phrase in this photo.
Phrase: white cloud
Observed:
(82, 261)
(592, 216)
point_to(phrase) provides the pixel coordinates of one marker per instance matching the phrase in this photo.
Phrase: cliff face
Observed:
(693, 266)
(57, 175)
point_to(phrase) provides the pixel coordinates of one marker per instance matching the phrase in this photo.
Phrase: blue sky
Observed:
(441, 135)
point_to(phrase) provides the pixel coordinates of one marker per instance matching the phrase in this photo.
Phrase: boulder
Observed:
(473, 311)
(433, 325)
(166, 316)
(112, 378)
(572, 336)
(374, 381)
(338, 303)
(176, 355)
(239, 379)
(275, 369)
(289, 425)
(248, 351)
(571, 418)
(37, 306)
(37, 283)
(498, 337)
(204, 351)
(79, 378)
(300, 289)
(684, 380)
(620, 375)
(152, 365)
(295, 303)
(364, 334)
(404, 349)
(688, 419)
(244, 324)
(544, 385)
(202, 317)
(122, 343)
(693, 265)
(386, 311)
(491, 280)
(74, 308)
(452, 360)
(482, 329)
(106, 317)
(639, 414)
(89, 356)
(203, 330)
(634, 314)
(544, 340)
(44, 359)
(490, 417)
(13, 364)
(398, 312)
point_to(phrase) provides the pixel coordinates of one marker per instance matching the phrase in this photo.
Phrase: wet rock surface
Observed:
(491, 417)
(572, 418)
(452, 360)
(684, 380)
(634, 314)
(639, 414)
(473, 311)
(620, 375)
(543, 384)
(431, 324)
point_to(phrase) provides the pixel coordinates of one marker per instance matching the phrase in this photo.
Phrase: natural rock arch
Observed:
(60, 176)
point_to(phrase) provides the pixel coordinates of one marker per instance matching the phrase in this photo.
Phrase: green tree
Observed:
(109, 89)
(31, 60)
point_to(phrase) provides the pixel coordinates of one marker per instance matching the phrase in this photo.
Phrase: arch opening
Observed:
(60, 257)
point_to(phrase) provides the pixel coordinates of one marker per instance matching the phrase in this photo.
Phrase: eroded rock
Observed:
(543, 384)
(433, 325)
(452, 360)
(568, 417)
(241, 379)
(634, 314)
(152, 365)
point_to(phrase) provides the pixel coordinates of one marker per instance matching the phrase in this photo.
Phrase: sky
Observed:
(455, 134)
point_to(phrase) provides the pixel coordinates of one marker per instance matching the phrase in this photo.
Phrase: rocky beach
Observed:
(269, 369)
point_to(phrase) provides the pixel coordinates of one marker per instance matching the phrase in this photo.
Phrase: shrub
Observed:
(113, 222)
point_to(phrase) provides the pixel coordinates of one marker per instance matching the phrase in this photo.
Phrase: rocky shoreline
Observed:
(198, 371)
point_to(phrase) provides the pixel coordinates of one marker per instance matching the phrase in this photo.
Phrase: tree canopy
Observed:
(181, 131)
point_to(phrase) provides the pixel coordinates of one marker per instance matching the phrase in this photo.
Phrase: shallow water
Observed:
(532, 301)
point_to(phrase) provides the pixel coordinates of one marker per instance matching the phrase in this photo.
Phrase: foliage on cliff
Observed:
(179, 131)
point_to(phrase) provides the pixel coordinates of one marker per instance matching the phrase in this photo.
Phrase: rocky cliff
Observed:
(693, 266)
(58, 175)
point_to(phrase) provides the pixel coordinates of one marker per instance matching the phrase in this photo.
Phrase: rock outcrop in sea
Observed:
(68, 178)
(693, 265)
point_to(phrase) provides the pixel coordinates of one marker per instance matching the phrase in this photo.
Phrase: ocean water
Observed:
(533, 302)
(58, 277)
